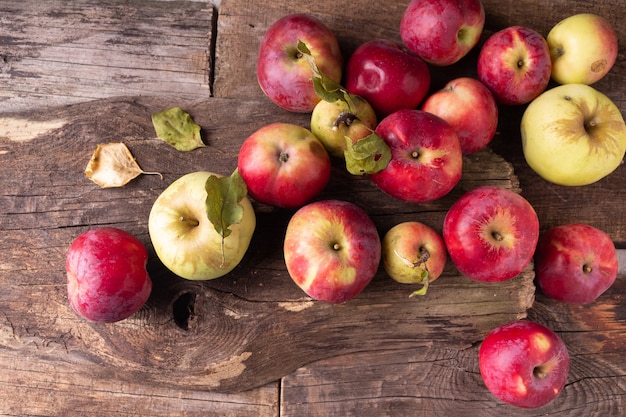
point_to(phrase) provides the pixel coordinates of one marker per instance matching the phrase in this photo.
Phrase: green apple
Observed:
(333, 121)
(583, 48)
(573, 135)
(185, 238)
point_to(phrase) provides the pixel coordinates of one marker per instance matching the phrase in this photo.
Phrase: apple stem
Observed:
(497, 236)
(191, 222)
(587, 269)
(346, 118)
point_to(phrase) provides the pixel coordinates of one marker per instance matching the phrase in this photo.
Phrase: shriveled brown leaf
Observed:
(112, 165)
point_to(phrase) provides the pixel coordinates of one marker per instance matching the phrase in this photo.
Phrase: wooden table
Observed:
(75, 74)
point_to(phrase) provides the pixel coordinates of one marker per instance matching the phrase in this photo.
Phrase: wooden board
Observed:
(366, 358)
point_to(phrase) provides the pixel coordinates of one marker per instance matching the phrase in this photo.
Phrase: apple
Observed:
(284, 73)
(284, 165)
(107, 279)
(332, 250)
(583, 48)
(470, 108)
(575, 263)
(333, 121)
(442, 32)
(515, 64)
(491, 233)
(573, 135)
(426, 157)
(387, 76)
(524, 364)
(185, 238)
(413, 253)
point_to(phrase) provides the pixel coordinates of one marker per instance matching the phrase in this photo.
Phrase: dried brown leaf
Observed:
(112, 165)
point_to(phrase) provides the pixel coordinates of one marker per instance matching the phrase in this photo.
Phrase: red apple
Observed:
(524, 364)
(332, 250)
(515, 64)
(107, 279)
(387, 76)
(470, 108)
(442, 31)
(426, 158)
(413, 253)
(575, 263)
(284, 165)
(284, 73)
(491, 233)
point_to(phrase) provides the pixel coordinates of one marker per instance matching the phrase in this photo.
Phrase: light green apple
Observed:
(186, 240)
(583, 48)
(573, 135)
(333, 121)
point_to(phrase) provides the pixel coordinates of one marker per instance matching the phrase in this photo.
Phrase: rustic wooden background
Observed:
(74, 74)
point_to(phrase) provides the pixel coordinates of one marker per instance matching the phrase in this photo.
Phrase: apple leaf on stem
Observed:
(424, 275)
(367, 156)
(326, 88)
(177, 128)
(222, 202)
(112, 165)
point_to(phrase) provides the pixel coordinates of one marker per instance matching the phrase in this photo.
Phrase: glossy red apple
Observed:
(515, 64)
(470, 108)
(442, 31)
(107, 279)
(332, 250)
(491, 233)
(387, 76)
(575, 263)
(284, 73)
(524, 364)
(284, 165)
(426, 158)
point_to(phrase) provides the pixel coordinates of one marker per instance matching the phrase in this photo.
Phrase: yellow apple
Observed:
(573, 135)
(583, 48)
(185, 239)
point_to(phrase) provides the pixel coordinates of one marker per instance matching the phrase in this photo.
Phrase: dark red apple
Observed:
(387, 76)
(107, 279)
(575, 263)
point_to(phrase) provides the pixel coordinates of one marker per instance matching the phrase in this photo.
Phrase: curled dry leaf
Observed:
(112, 165)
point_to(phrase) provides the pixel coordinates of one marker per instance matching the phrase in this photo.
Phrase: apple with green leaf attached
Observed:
(201, 225)
(413, 253)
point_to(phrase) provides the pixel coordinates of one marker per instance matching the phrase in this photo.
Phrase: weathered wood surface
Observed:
(57, 52)
(377, 362)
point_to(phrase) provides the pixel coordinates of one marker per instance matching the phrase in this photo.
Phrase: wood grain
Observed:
(381, 354)
(57, 53)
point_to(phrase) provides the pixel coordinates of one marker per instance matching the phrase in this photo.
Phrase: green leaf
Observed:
(222, 203)
(177, 128)
(367, 156)
(326, 88)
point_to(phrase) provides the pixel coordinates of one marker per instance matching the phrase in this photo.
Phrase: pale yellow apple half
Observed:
(573, 135)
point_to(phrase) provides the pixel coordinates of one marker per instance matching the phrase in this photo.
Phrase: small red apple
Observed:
(442, 32)
(284, 165)
(575, 263)
(332, 250)
(524, 364)
(470, 108)
(426, 158)
(387, 76)
(284, 73)
(107, 279)
(491, 233)
(515, 65)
